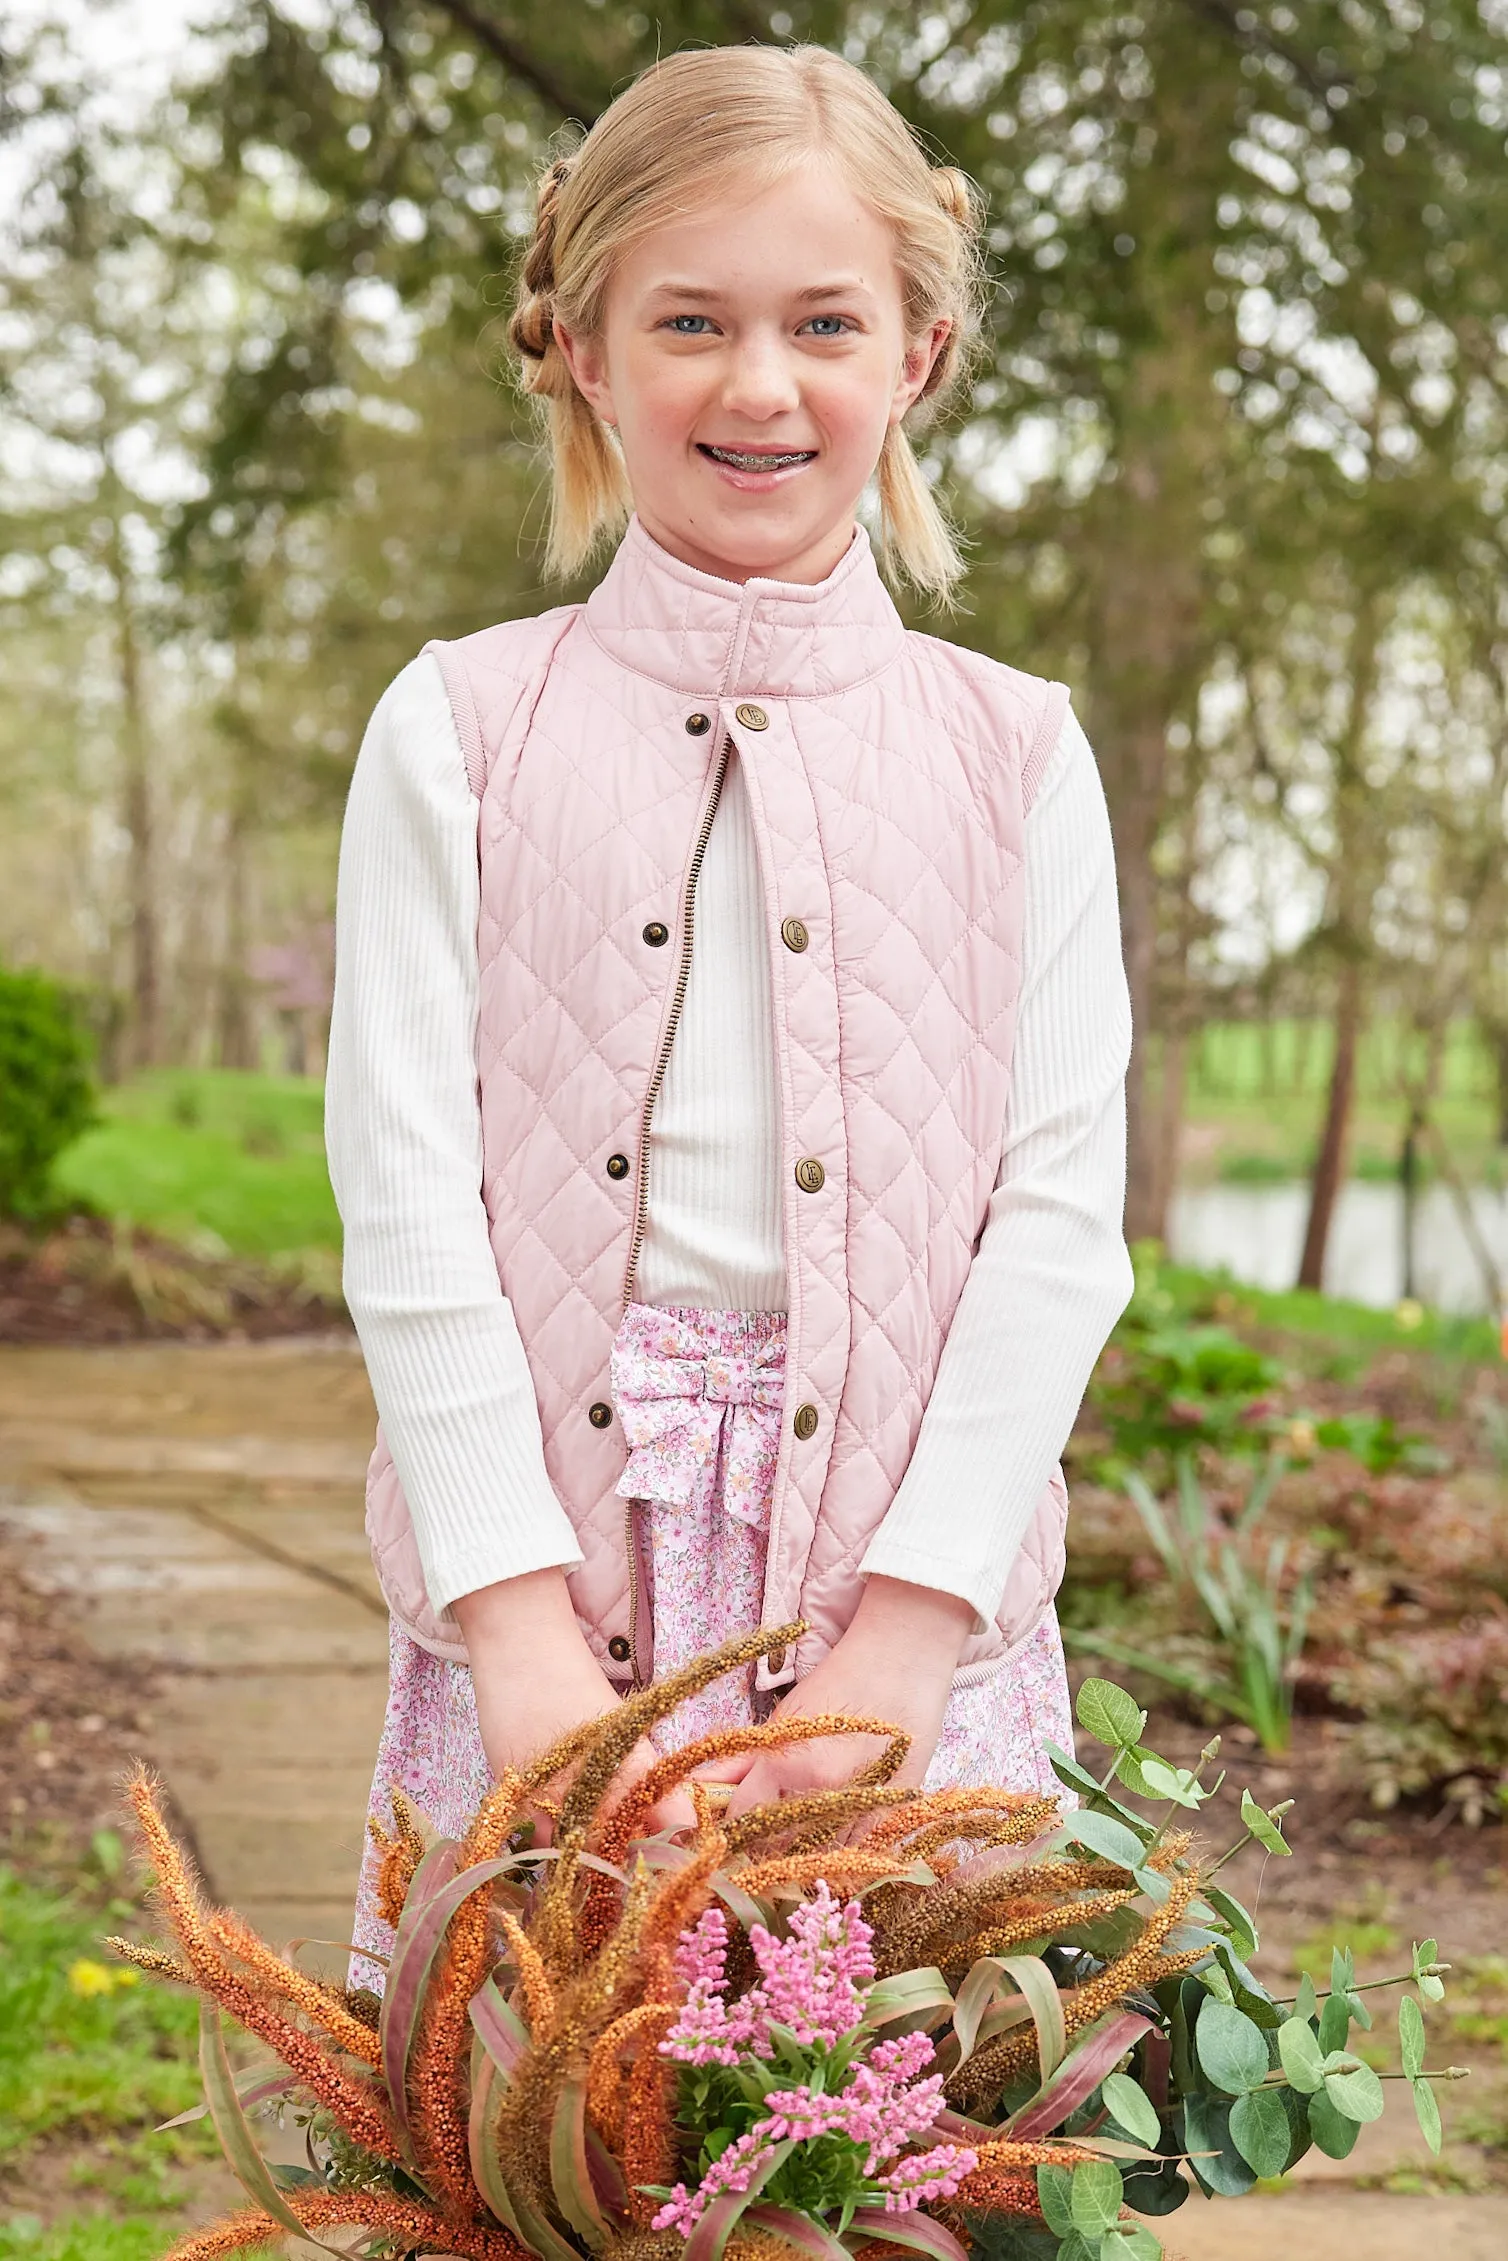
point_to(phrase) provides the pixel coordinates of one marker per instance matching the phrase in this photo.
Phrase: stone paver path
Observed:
(203, 1510)
(202, 1507)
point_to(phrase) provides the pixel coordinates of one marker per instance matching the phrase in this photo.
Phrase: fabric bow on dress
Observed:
(682, 1416)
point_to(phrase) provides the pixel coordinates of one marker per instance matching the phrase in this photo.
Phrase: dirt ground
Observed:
(185, 1579)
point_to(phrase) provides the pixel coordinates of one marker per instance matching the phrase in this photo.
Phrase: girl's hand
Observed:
(896, 1662)
(535, 1679)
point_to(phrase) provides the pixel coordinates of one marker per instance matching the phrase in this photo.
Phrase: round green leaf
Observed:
(1109, 1714)
(1231, 1913)
(1095, 2197)
(1259, 2130)
(1426, 2106)
(1356, 2093)
(1300, 2055)
(1232, 2051)
(1333, 2133)
(1053, 2185)
(1262, 1826)
(1110, 1838)
(1411, 2036)
(1131, 2108)
(1130, 2243)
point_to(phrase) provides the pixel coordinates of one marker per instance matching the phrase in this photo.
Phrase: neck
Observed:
(803, 567)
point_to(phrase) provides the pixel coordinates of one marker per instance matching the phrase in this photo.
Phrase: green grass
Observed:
(1338, 1331)
(224, 1163)
(92, 2059)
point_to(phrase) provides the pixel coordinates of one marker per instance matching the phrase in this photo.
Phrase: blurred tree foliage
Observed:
(1238, 430)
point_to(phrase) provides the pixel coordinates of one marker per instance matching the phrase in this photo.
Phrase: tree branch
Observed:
(519, 62)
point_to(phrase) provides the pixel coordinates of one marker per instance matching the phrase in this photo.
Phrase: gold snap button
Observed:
(776, 1660)
(699, 724)
(805, 1422)
(620, 1649)
(752, 718)
(657, 934)
(617, 1165)
(600, 1415)
(810, 1175)
(793, 934)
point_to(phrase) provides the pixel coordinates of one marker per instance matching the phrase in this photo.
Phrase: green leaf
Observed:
(1053, 2185)
(1427, 2109)
(1232, 2051)
(1306, 2005)
(1214, 2160)
(570, 2175)
(1095, 2195)
(1076, 2248)
(1130, 2242)
(1262, 1826)
(1163, 1781)
(1231, 1913)
(1354, 2089)
(1132, 2108)
(1334, 2022)
(1425, 1953)
(1411, 2036)
(1259, 2130)
(1111, 1839)
(1302, 2058)
(1109, 1714)
(1334, 2134)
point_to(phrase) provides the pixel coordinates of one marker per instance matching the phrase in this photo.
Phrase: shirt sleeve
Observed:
(1051, 1274)
(404, 1137)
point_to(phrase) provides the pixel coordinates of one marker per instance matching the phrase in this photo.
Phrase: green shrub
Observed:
(46, 1088)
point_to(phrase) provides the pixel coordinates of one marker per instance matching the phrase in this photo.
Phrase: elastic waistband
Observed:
(680, 1331)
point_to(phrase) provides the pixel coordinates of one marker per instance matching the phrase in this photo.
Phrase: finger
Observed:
(731, 1769)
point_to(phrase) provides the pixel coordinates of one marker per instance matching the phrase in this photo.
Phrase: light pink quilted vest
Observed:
(889, 775)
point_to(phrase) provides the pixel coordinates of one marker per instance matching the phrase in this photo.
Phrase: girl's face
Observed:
(752, 359)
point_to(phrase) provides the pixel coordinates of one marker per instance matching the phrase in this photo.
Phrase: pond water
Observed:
(1257, 1232)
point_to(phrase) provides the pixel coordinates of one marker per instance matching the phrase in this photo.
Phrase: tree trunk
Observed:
(144, 1045)
(1172, 1089)
(1330, 1164)
(1498, 1039)
(235, 1035)
(1408, 1186)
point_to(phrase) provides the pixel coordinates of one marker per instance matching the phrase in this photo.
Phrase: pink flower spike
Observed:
(926, 2175)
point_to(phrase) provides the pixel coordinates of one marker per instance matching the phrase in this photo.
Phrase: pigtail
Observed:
(588, 491)
(916, 539)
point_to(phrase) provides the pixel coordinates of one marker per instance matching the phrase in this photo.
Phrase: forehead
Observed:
(794, 233)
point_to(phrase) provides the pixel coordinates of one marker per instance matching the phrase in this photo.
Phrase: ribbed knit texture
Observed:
(402, 1124)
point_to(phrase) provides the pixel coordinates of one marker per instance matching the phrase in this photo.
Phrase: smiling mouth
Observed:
(757, 459)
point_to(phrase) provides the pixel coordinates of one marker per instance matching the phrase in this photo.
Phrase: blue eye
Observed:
(689, 325)
(836, 325)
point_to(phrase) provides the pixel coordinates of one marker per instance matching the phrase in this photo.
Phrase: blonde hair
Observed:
(712, 115)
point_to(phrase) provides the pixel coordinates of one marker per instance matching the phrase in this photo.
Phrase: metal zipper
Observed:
(641, 1198)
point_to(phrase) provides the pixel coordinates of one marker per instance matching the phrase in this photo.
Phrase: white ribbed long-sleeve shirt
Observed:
(403, 1129)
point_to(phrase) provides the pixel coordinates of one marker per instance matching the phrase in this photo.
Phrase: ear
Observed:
(920, 360)
(587, 362)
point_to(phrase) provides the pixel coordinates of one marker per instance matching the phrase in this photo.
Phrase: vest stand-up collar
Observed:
(704, 637)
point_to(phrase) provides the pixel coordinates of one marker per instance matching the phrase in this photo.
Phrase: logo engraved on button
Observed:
(793, 934)
(775, 1661)
(600, 1415)
(752, 717)
(620, 1649)
(805, 1422)
(657, 934)
(810, 1175)
(617, 1165)
(699, 724)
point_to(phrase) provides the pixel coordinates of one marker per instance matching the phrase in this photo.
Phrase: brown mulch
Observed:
(91, 1282)
(70, 1725)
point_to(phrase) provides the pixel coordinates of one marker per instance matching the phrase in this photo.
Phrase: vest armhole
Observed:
(1049, 730)
(463, 709)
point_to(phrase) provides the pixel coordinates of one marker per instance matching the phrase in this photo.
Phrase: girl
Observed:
(726, 1076)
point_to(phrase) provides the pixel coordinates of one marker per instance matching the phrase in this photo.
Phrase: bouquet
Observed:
(956, 2022)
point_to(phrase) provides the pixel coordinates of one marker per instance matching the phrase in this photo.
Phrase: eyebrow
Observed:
(844, 286)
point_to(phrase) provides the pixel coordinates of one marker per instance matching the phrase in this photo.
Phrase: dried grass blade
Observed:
(1077, 2078)
(917, 2232)
(570, 2170)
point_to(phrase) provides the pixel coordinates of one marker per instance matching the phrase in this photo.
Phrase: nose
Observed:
(760, 381)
